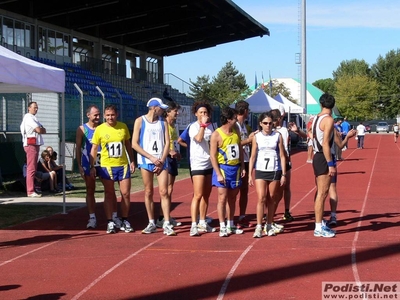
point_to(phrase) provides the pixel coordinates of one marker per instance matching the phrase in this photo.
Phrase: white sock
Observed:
(92, 216)
(222, 225)
(318, 226)
(152, 221)
(194, 224)
(114, 215)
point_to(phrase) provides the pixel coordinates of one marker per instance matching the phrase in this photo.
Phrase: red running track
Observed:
(55, 258)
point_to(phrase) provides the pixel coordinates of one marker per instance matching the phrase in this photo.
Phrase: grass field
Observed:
(13, 214)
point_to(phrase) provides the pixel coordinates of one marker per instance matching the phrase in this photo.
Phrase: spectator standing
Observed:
(396, 132)
(226, 156)
(345, 129)
(31, 130)
(151, 142)
(242, 109)
(338, 131)
(360, 135)
(310, 151)
(116, 165)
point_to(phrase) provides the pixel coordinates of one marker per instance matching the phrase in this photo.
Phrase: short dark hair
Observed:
(241, 106)
(171, 106)
(327, 101)
(111, 107)
(227, 113)
(276, 114)
(89, 108)
(198, 104)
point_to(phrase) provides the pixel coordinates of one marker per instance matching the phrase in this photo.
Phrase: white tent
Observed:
(289, 105)
(23, 75)
(312, 95)
(260, 102)
(19, 74)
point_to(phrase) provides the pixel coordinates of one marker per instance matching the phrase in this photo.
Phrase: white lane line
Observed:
(93, 283)
(355, 239)
(221, 293)
(27, 253)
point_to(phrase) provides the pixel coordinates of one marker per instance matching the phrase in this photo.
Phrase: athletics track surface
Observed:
(55, 258)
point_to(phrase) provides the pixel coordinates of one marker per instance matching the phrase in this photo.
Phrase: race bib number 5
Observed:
(233, 152)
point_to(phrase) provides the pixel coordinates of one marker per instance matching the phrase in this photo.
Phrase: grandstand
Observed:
(112, 51)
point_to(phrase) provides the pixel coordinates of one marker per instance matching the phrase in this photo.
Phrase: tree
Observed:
(228, 86)
(278, 88)
(352, 67)
(355, 96)
(201, 89)
(386, 71)
(326, 85)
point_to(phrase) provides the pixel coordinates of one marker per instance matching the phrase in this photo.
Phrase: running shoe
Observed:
(34, 195)
(168, 230)
(111, 227)
(208, 219)
(234, 230)
(257, 232)
(160, 223)
(92, 223)
(277, 228)
(278, 225)
(117, 221)
(269, 232)
(205, 228)
(151, 228)
(174, 222)
(126, 226)
(194, 231)
(324, 232)
(332, 221)
(223, 232)
(287, 217)
(244, 223)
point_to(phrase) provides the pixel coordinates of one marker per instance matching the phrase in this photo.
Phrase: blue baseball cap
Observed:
(156, 102)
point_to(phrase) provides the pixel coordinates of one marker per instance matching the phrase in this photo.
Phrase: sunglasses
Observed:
(267, 123)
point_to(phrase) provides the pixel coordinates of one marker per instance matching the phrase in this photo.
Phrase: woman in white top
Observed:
(200, 165)
(269, 159)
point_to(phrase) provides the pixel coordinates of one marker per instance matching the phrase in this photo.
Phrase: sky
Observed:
(336, 31)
